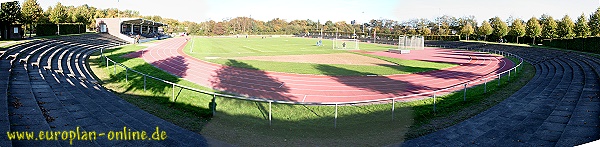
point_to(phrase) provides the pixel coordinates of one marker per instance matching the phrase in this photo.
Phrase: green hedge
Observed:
(443, 37)
(591, 44)
(50, 29)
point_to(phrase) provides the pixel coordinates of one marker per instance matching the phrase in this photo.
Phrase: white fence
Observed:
(460, 86)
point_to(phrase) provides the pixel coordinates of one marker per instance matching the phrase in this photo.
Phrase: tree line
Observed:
(546, 27)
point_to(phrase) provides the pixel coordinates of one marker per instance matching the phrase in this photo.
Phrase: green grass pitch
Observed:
(221, 50)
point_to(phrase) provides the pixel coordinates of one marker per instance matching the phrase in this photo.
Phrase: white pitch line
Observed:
(304, 98)
(281, 85)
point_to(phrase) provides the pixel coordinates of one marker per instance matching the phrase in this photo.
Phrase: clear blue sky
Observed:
(342, 10)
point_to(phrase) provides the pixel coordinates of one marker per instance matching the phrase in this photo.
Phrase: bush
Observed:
(591, 44)
(443, 37)
(50, 29)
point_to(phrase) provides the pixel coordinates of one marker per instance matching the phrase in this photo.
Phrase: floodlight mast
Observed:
(336, 34)
(321, 32)
(118, 13)
(439, 23)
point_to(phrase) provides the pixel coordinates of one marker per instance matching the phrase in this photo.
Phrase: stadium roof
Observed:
(141, 21)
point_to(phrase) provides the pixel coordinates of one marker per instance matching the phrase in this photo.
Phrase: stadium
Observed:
(117, 78)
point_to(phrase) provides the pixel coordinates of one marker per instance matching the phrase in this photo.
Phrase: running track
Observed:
(168, 55)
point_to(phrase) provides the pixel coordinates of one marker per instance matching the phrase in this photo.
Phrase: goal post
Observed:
(348, 44)
(411, 42)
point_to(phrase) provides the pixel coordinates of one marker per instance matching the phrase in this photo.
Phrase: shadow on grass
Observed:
(399, 66)
(239, 122)
(379, 84)
(313, 125)
(249, 81)
(136, 81)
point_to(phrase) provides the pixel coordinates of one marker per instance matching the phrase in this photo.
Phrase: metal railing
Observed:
(460, 86)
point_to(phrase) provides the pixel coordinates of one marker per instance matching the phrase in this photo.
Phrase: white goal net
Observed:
(411, 42)
(348, 44)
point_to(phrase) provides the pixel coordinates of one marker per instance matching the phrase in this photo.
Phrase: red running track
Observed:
(168, 55)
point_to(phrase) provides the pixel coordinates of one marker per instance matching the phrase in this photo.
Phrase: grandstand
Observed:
(47, 86)
(128, 28)
(558, 107)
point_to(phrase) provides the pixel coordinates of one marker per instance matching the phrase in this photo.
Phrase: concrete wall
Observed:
(113, 26)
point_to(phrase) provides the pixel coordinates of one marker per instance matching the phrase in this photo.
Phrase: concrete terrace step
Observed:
(72, 102)
(24, 111)
(47, 92)
(558, 107)
(18, 52)
(85, 87)
(4, 121)
(16, 47)
(88, 113)
(584, 124)
(151, 120)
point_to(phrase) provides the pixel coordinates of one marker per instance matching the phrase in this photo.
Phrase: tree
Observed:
(172, 25)
(411, 32)
(485, 29)
(58, 14)
(219, 29)
(9, 14)
(467, 20)
(194, 29)
(534, 29)
(82, 15)
(278, 25)
(581, 27)
(565, 27)
(328, 26)
(342, 26)
(549, 26)
(111, 13)
(518, 29)
(595, 23)
(32, 12)
(467, 30)
(500, 27)
(425, 31)
(91, 16)
(445, 24)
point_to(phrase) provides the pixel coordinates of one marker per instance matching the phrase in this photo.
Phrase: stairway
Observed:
(49, 88)
(558, 107)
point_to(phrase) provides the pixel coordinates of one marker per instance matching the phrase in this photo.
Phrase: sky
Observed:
(342, 10)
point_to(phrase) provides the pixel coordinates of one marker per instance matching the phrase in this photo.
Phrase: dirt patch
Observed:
(337, 58)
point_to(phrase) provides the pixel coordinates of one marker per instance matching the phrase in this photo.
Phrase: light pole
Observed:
(119, 13)
(363, 24)
(439, 23)
(191, 51)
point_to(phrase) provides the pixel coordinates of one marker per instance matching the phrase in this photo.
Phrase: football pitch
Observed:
(302, 56)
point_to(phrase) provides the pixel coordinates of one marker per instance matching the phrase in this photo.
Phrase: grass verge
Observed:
(245, 123)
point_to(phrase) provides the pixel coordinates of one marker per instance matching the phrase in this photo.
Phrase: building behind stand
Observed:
(128, 28)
